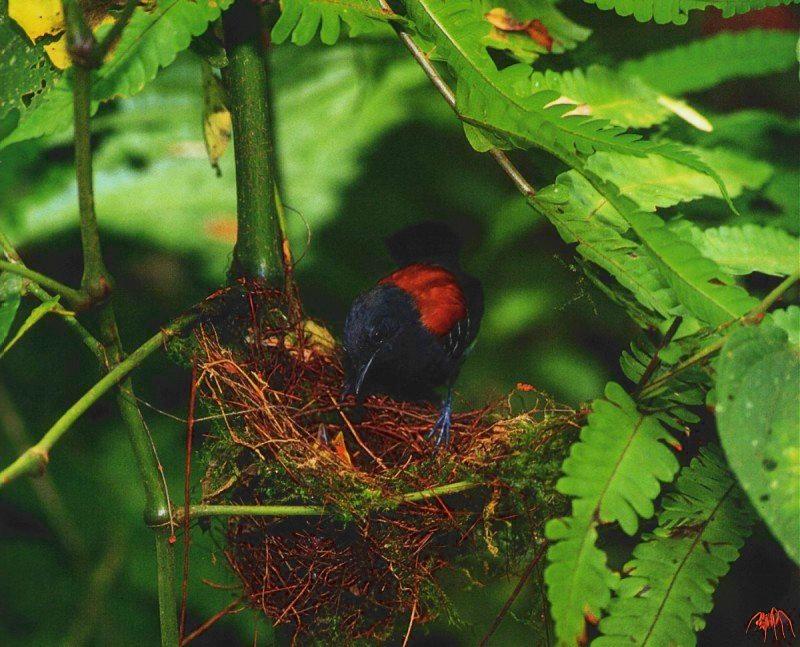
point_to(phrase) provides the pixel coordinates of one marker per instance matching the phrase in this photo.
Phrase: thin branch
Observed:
(703, 354)
(35, 458)
(517, 590)
(204, 510)
(74, 297)
(523, 186)
(655, 360)
(187, 474)
(212, 621)
(40, 293)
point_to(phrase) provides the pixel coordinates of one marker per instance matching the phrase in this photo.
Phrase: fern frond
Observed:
(655, 181)
(151, 40)
(302, 19)
(745, 249)
(673, 573)
(613, 474)
(509, 106)
(705, 63)
(677, 11)
(565, 33)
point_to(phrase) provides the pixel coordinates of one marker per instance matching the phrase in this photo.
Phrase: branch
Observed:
(35, 458)
(36, 290)
(202, 510)
(257, 251)
(754, 316)
(75, 298)
(523, 186)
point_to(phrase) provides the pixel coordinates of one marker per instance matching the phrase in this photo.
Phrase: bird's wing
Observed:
(459, 340)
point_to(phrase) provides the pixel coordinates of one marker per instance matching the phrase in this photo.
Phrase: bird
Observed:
(409, 334)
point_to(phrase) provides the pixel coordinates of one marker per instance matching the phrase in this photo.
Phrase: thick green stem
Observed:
(257, 252)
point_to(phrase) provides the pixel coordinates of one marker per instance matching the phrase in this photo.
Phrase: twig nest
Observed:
(396, 511)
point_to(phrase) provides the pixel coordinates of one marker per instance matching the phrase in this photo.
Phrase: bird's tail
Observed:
(425, 241)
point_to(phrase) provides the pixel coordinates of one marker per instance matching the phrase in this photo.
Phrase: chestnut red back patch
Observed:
(436, 294)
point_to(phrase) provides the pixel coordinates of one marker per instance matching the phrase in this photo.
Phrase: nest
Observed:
(396, 511)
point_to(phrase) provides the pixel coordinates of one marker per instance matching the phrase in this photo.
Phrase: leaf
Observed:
(674, 571)
(613, 474)
(302, 19)
(508, 105)
(10, 286)
(217, 125)
(745, 249)
(51, 305)
(677, 11)
(150, 41)
(788, 320)
(757, 382)
(621, 99)
(654, 181)
(25, 70)
(541, 28)
(705, 63)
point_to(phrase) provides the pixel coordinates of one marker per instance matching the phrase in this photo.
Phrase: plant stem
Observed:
(523, 186)
(36, 457)
(256, 253)
(36, 290)
(707, 351)
(203, 510)
(74, 297)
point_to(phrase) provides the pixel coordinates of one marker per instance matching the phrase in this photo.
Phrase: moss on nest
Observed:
(281, 436)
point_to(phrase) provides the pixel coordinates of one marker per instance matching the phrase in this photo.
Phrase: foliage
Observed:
(669, 582)
(758, 379)
(681, 212)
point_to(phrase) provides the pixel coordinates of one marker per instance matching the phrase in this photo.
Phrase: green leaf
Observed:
(302, 19)
(745, 249)
(25, 70)
(655, 181)
(565, 34)
(705, 63)
(613, 474)
(758, 379)
(10, 286)
(150, 41)
(599, 92)
(510, 107)
(788, 320)
(674, 571)
(51, 305)
(677, 11)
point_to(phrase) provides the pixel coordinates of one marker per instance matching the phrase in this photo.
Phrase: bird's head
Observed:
(373, 333)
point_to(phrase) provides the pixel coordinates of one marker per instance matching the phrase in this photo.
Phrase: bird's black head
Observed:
(374, 333)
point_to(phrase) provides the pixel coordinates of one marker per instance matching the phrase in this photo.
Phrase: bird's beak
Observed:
(362, 374)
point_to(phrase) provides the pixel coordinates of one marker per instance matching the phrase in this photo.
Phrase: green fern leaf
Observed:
(677, 11)
(302, 19)
(745, 249)
(757, 382)
(507, 103)
(150, 41)
(705, 63)
(565, 34)
(613, 474)
(674, 572)
(655, 181)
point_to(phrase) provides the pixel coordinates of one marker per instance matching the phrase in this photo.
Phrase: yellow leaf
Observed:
(319, 337)
(340, 449)
(216, 118)
(57, 51)
(37, 17)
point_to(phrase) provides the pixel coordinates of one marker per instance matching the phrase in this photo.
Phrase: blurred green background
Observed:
(365, 147)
